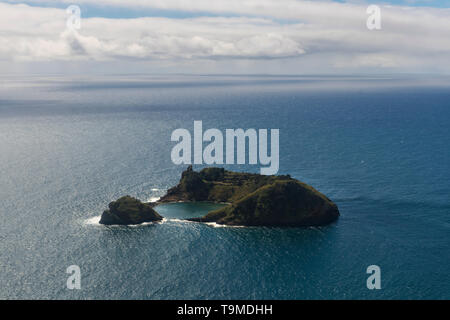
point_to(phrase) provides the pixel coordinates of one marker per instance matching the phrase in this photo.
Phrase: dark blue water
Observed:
(379, 148)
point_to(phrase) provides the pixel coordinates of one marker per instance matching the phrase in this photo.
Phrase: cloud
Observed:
(42, 34)
(411, 39)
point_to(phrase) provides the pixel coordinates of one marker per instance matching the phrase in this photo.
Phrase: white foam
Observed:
(177, 220)
(217, 225)
(214, 225)
(142, 224)
(153, 199)
(211, 224)
(93, 220)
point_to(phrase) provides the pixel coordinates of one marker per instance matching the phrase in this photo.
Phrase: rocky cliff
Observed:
(254, 200)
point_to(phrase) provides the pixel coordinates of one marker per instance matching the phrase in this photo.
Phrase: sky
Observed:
(224, 36)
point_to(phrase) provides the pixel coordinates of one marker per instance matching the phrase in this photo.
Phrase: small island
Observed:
(252, 200)
(128, 210)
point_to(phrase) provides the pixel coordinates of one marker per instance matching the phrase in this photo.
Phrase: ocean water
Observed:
(378, 147)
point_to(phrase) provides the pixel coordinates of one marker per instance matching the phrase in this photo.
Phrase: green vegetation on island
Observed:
(253, 200)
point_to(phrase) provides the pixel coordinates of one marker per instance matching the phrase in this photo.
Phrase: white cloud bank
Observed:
(318, 34)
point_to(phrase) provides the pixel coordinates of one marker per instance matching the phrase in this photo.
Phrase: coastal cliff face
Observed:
(255, 200)
(128, 210)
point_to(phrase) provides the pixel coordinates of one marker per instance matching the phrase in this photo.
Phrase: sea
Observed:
(378, 146)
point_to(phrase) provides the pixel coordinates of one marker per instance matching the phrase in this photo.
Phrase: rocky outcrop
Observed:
(286, 203)
(128, 210)
(254, 200)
